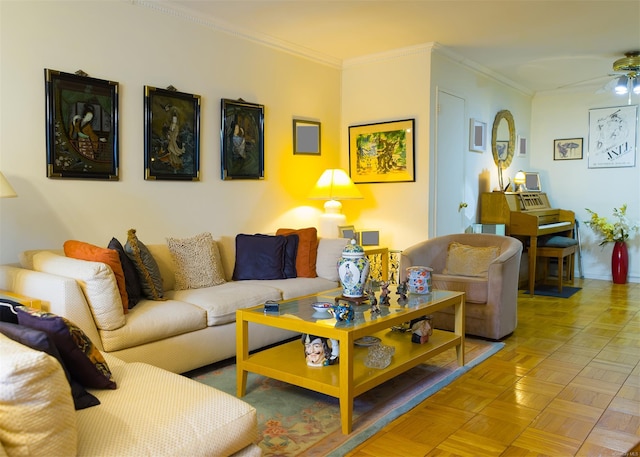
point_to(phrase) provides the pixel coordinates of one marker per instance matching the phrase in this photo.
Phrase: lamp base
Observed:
(328, 224)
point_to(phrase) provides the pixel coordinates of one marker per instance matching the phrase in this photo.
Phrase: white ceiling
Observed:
(538, 44)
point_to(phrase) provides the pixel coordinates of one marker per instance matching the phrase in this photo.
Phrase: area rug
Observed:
(295, 421)
(552, 291)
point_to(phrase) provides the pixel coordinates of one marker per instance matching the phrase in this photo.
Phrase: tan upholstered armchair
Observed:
(486, 267)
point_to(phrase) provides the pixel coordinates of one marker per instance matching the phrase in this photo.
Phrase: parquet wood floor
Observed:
(567, 383)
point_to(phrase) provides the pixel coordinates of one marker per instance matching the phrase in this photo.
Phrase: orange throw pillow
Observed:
(85, 251)
(307, 250)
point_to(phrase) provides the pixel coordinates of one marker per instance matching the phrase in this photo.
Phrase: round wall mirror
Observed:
(503, 138)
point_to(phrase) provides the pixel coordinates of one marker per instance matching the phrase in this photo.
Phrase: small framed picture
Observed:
(82, 126)
(477, 135)
(306, 137)
(567, 149)
(521, 146)
(171, 135)
(242, 140)
(347, 231)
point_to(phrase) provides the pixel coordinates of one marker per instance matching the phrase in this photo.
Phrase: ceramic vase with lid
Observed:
(353, 270)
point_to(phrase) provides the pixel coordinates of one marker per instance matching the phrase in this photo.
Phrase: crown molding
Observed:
(250, 35)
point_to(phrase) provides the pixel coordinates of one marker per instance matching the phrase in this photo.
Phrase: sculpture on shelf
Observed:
(317, 351)
(402, 291)
(384, 293)
(342, 312)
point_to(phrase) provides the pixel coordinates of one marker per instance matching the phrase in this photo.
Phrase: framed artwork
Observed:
(613, 136)
(242, 140)
(567, 149)
(521, 145)
(81, 126)
(347, 231)
(171, 135)
(477, 135)
(306, 137)
(382, 152)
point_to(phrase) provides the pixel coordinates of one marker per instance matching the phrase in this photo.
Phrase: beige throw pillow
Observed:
(197, 262)
(37, 413)
(464, 260)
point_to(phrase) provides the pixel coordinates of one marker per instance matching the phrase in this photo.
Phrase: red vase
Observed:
(619, 262)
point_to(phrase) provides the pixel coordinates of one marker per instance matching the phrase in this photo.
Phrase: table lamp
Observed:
(334, 185)
(519, 179)
(6, 191)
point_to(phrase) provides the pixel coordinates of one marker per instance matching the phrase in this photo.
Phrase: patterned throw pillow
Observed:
(197, 262)
(148, 270)
(464, 260)
(83, 360)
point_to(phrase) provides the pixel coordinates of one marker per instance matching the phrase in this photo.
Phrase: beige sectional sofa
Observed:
(153, 411)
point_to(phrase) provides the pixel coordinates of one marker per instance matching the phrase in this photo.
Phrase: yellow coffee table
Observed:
(350, 377)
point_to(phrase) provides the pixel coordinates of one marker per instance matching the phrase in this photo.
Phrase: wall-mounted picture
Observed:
(171, 135)
(382, 152)
(306, 137)
(521, 146)
(242, 140)
(613, 136)
(82, 126)
(567, 149)
(347, 231)
(477, 135)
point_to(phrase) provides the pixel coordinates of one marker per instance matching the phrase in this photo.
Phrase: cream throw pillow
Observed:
(464, 260)
(197, 262)
(37, 413)
(96, 280)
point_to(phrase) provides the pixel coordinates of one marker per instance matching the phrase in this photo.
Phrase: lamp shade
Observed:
(6, 190)
(335, 184)
(622, 86)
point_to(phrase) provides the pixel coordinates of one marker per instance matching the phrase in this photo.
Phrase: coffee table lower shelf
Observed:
(286, 363)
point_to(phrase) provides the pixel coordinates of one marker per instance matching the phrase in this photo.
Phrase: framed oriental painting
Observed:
(81, 126)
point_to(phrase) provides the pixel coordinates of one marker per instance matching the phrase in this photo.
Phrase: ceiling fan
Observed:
(626, 76)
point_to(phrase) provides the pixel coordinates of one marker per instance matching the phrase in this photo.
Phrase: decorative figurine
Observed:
(402, 291)
(384, 293)
(317, 351)
(421, 331)
(342, 312)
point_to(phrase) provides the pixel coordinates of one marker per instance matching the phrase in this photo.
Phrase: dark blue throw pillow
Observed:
(259, 257)
(290, 253)
(131, 278)
(8, 311)
(41, 341)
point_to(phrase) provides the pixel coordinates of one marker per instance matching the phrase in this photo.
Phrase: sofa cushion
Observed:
(221, 302)
(38, 416)
(148, 270)
(153, 320)
(259, 257)
(158, 413)
(465, 260)
(329, 253)
(83, 360)
(298, 287)
(131, 279)
(96, 281)
(85, 251)
(41, 341)
(197, 262)
(476, 289)
(307, 250)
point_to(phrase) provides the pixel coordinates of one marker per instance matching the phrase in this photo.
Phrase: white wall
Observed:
(570, 184)
(137, 46)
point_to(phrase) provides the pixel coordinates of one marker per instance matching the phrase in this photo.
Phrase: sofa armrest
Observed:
(60, 295)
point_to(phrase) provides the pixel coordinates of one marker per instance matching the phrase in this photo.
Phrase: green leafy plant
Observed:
(618, 230)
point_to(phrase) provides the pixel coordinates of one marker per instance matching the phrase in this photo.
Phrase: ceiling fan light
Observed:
(622, 85)
(636, 86)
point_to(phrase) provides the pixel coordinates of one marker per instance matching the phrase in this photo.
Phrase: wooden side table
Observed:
(22, 299)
